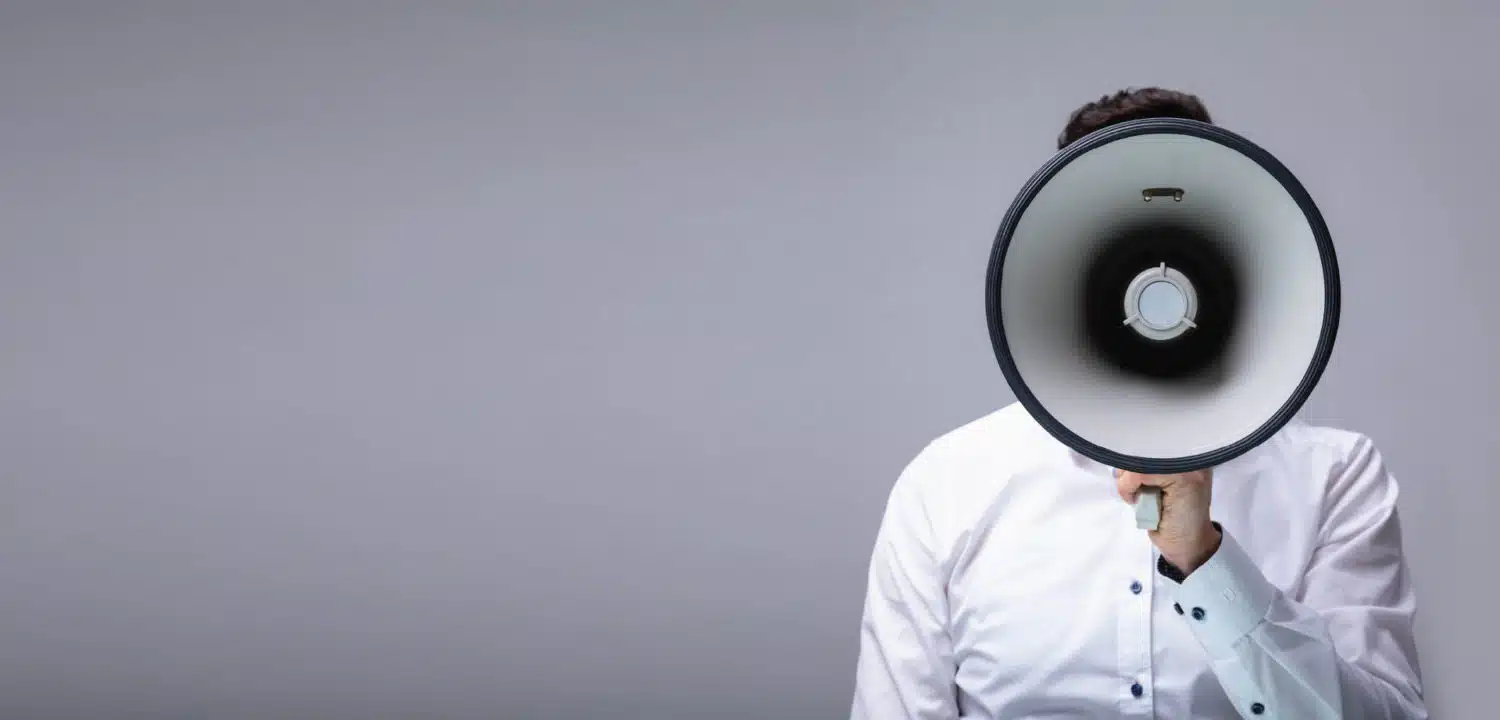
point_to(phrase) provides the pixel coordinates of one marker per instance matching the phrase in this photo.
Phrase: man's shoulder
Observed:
(1328, 459)
(957, 473)
(985, 447)
(1337, 444)
(999, 433)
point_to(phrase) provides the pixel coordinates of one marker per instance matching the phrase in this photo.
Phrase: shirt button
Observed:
(1137, 690)
(1177, 607)
(1135, 587)
(1197, 613)
(1257, 708)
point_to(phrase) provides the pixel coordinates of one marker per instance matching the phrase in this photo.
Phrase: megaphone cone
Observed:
(1163, 295)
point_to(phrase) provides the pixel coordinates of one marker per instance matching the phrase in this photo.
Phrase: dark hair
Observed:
(1131, 104)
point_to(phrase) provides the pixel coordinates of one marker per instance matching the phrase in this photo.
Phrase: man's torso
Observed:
(1055, 607)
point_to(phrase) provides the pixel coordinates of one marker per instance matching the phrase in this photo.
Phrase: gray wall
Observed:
(555, 360)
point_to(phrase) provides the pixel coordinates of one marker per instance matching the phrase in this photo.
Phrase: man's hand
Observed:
(1186, 535)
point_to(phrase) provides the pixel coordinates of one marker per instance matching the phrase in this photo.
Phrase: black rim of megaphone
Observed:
(1321, 356)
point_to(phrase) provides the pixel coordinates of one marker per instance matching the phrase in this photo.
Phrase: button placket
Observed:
(1136, 593)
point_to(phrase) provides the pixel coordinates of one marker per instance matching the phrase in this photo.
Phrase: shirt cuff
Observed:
(1225, 598)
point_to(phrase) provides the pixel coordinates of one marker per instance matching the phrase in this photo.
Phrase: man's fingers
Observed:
(1131, 483)
(1128, 485)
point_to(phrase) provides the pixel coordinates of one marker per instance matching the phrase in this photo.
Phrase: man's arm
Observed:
(905, 668)
(1347, 650)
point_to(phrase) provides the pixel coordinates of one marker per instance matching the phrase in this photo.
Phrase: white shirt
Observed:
(1009, 580)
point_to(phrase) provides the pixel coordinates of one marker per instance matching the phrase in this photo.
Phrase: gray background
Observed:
(554, 360)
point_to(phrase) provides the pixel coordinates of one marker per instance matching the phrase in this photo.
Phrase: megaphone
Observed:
(1162, 296)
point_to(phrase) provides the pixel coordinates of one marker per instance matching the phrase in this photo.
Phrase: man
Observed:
(1009, 579)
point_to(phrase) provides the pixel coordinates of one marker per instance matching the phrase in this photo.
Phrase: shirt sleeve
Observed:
(1347, 648)
(906, 667)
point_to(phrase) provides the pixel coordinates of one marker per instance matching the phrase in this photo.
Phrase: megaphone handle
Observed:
(1148, 508)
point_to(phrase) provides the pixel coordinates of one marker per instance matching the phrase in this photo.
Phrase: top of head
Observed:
(1131, 104)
